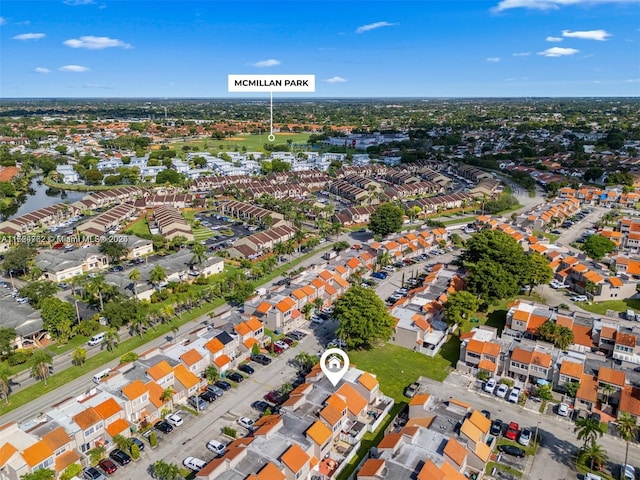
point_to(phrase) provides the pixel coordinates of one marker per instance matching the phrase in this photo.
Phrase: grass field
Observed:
(140, 227)
(252, 143)
(617, 305)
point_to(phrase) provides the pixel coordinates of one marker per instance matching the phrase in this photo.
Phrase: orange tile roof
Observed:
(191, 357)
(571, 369)
(270, 472)
(390, 440)
(264, 307)
(451, 473)
(337, 402)
(341, 269)
(309, 290)
(134, 389)
(117, 427)
(582, 335)
(341, 281)
(615, 282)
(254, 324)
(373, 467)
(353, 263)
(214, 345)
(542, 359)
(56, 438)
(299, 293)
(629, 401)
(318, 283)
(36, 453)
(66, 459)
(155, 394)
(521, 315)
(430, 471)
(285, 304)
(535, 322)
(7, 173)
(266, 423)
(610, 376)
(319, 432)
(588, 389)
(368, 381)
(187, 378)
(455, 451)
(108, 408)
(242, 328)
(566, 322)
(608, 332)
(420, 399)
(86, 418)
(331, 415)
(295, 458)
(487, 365)
(222, 360)
(250, 342)
(356, 403)
(626, 339)
(521, 356)
(159, 370)
(480, 421)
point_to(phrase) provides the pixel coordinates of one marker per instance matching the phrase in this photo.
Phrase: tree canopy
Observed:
(459, 306)
(363, 318)
(57, 317)
(386, 219)
(597, 246)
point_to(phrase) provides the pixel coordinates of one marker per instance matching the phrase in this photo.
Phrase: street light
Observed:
(535, 440)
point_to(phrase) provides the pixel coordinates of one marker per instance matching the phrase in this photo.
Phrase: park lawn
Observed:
(201, 233)
(252, 143)
(140, 228)
(552, 237)
(396, 367)
(460, 220)
(616, 305)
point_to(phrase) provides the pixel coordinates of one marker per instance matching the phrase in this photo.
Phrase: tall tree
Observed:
(114, 250)
(157, 275)
(597, 246)
(79, 356)
(627, 427)
(596, 454)
(41, 360)
(199, 254)
(7, 336)
(587, 430)
(386, 219)
(538, 270)
(58, 318)
(111, 338)
(134, 276)
(5, 382)
(363, 318)
(460, 305)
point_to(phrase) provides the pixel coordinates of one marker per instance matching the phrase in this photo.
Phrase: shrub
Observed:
(230, 431)
(128, 357)
(73, 470)
(135, 451)
(483, 375)
(507, 381)
(153, 439)
(19, 357)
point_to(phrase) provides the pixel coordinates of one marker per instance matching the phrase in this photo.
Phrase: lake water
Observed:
(40, 196)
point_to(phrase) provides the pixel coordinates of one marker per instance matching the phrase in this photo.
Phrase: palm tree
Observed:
(139, 323)
(75, 281)
(134, 276)
(157, 275)
(587, 429)
(317, 303)
(299, 236)
(199, 254)
(307, 309)
(175, 328)
(384, 260)
(96, 286)
(111, 338)
(40, 362)
(122, 442)
(167, 394)
(628, 430)
(5, 382)
(607, 391)
(596, 454)
(79, 356)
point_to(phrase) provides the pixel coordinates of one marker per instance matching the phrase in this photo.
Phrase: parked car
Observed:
(107, 466)
(235, 376)
(197, 402)
(379, 275)
(514, 396)
(563, 410)
(411, 390)
(216, 447)
(138, 442)
(592, 476)
(496, 427)
(524, 438)
(512, 431)
(490, 386)
(298, 335)
(246, 423)
(217, 391)
(208, 396)
(260, 406)
(261, 358)
(226, 386)
(512, 450)
(628, 472)
(193, 463)
(281, 344)
(274, 397)
(163, 427)
(317, 319)
(290, 341)
(91, 473)
(174, 419)
(579, 298)
(120, 457)
(501, 391)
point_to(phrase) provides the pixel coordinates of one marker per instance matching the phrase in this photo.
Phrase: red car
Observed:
(512, 431)
(274, 397)
(108, 466)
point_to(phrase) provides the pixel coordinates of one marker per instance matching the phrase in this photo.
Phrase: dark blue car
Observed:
(379, 275)
(223, 385)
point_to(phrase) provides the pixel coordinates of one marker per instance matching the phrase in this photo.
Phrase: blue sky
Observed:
(162, 48)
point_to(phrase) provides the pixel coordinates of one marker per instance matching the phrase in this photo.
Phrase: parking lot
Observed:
(225, 230)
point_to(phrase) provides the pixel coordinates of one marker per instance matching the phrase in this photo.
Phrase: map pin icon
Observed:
(334, 364)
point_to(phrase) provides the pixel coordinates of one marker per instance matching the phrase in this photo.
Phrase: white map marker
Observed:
(330, 363)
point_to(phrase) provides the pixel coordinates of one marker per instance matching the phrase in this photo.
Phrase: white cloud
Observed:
(558, 52)
(599, 35)
(76, 3)
(633, 80)
(272, 62)
(336, 79)
(29, 36)
(522, 54)
(2, 21)
(493, 59)
(373, 26)
(91, 42)
(73, 68)
(549, 4)
(553, 39)
(41, 70)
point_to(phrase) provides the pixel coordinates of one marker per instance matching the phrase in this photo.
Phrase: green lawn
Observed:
(396, 367)
(551, 236)
(617, 305)
(252, 143)
(455, 221)
(140, 228)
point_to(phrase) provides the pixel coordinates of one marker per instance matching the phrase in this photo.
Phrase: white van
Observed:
(96, 339)
(100, 375)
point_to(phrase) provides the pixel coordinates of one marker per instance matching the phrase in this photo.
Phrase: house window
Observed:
(60, 451)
